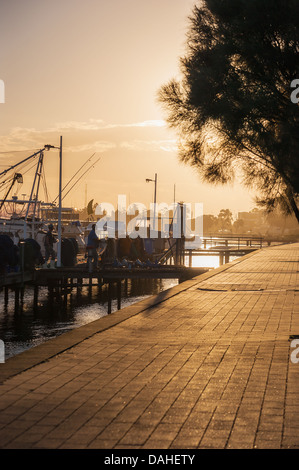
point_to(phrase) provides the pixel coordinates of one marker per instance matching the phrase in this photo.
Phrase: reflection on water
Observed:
(34, 326)
(31, 327)
(206, 261)
(203, 261)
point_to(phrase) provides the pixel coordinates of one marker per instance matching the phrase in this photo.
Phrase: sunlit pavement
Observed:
(210, 363)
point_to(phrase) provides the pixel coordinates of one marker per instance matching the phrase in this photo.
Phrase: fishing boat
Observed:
(30, 217)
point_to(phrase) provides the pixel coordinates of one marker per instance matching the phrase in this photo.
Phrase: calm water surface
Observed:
(31, 327)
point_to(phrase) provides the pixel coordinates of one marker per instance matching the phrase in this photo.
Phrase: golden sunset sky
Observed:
(89, 70)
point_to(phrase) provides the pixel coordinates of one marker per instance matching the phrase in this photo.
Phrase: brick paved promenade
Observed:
(206, 364)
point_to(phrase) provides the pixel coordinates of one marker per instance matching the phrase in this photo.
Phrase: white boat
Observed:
(29, 218)
(14, 223)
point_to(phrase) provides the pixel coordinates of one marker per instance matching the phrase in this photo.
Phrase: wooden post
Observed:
(5, 296)
(22, 256)
(100, 287)
(64, 288)
(51, 293)
(190, 258)
(22, 289)
(119, 294)
(109, 297)
(35, 296)
(90, 286)
(79, 286)
(177, 251)
(17, 298)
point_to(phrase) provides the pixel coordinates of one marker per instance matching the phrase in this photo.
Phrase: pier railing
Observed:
(222, 246)
(235, 240)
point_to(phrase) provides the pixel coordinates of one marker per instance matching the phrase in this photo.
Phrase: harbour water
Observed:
(30, 327)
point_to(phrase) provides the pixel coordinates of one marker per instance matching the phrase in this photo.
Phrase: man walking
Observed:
(48, 243)
(92, 248)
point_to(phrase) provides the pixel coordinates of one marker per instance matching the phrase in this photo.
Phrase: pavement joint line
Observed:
(52, 347)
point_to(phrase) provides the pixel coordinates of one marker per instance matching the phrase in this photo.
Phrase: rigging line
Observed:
(17, 164)
(6, 182)
(9, 189)
(75, 175)
(45, 184)
(15, 151)
(88, 169)
(22, 167)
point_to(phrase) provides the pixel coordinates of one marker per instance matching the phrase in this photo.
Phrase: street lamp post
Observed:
(47, 147)
(59, 206)
(155, 196)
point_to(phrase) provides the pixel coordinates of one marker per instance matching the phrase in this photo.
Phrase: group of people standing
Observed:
(109, 249)
(112, 248)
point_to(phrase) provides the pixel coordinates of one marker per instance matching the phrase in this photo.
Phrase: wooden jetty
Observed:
(172, 265)
(61, 281)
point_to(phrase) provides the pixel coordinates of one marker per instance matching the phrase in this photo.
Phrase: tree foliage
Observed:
(232, 108)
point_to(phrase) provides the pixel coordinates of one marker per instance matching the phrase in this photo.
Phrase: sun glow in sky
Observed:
(89, 70)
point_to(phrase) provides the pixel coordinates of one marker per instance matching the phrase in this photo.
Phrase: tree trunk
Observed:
(293, 204)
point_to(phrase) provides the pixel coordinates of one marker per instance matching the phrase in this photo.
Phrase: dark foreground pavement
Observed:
(207, 364)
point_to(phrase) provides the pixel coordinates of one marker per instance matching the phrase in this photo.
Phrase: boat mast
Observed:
(33, 198)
